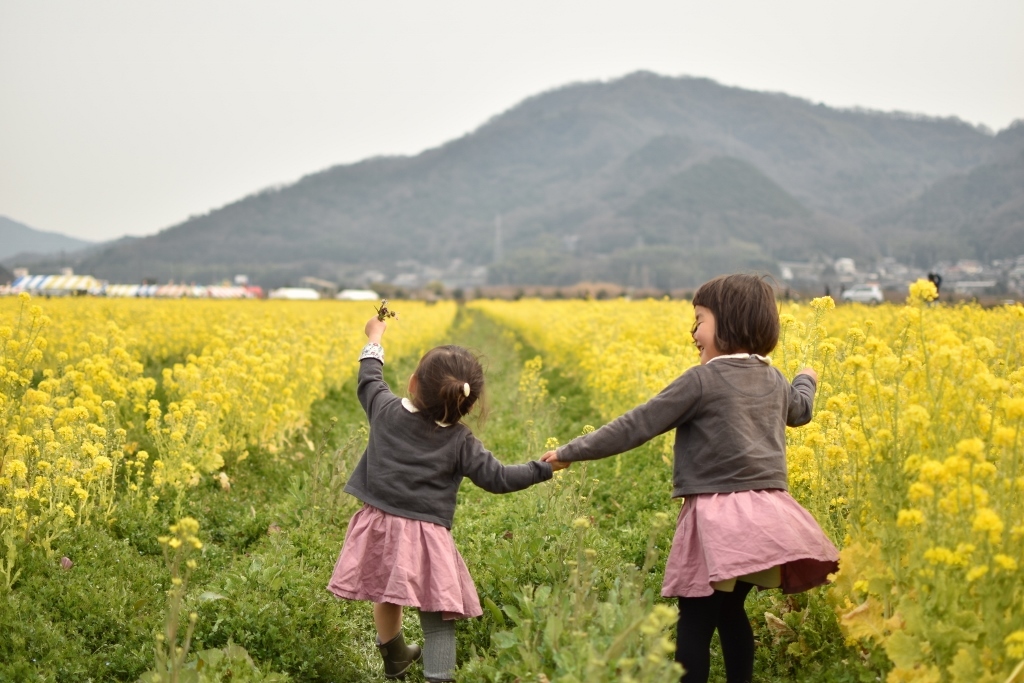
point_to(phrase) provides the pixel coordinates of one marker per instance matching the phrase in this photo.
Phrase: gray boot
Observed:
(398, 656)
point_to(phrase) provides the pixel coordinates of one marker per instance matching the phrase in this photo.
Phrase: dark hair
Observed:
(746, 316)
(441, 379)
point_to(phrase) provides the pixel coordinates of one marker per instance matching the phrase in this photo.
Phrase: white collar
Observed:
(767, 360)
(408, 405)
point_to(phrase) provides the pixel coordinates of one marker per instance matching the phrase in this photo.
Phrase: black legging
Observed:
(698, 619)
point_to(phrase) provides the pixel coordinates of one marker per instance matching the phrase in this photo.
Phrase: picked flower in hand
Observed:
(383, 311)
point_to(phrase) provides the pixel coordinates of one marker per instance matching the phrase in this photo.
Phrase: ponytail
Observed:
(450, 380)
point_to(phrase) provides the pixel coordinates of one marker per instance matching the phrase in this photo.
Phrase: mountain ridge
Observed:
(564, 171)
(17, 238)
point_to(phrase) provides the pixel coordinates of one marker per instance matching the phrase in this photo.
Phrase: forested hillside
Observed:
(665, 180)
(980, 212)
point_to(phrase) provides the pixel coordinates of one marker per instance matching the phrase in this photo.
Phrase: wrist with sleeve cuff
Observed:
(373, 350)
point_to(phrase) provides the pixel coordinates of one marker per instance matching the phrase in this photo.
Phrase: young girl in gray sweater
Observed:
(738, 526)
(398, 549)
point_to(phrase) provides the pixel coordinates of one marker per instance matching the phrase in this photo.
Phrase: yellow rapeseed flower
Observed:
(1015, 644)
(823, 303)
(909, 518)
(1005, 562)
(987, 521)
(976, 573)
(922, 291)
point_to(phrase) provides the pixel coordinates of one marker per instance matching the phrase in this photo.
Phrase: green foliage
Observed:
(173, 661)
(588, 627)
(231, 663)
(569, 571)
(92, 621)
(978, 214)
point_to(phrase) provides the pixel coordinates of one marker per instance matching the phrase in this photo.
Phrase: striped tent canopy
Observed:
(29, 283)
(52, 284)
(72, 283)
(173, 291)
(218, 292)
(122, 290)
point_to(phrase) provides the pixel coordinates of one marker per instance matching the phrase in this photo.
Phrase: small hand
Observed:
(551, 457)
(809, 371)
(375, 329)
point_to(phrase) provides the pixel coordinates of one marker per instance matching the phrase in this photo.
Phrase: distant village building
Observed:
(968, 267)
(372, 276)
(358, 295)
(845, 266)
(974, 287)
(294, 294)
(410, 280)
(801, 271)
(325, 288)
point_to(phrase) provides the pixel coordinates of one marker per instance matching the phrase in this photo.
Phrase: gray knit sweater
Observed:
(412, 467)
(730, 417)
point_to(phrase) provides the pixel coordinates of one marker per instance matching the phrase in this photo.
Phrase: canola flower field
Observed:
(913, 462)
(119, 419)
(79, 393)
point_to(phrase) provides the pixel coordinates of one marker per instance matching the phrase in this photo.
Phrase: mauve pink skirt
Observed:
(722, 536)
(387, 558)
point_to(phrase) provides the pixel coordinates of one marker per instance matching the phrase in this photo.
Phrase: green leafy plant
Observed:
(589, 628)
(172, 665)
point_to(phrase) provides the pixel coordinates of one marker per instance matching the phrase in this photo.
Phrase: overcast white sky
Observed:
(126, 116)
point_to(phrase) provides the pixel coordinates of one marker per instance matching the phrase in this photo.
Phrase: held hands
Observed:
(551, 457)
(809, 371)
(375, 329)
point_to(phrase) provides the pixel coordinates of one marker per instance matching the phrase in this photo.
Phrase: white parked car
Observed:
(864, 294)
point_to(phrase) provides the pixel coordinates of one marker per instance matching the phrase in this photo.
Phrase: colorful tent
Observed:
(56, 284)
(170, 291)
(122, 290)
(221, 292)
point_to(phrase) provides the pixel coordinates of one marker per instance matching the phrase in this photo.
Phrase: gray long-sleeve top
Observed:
(730, 417)
(412, 467)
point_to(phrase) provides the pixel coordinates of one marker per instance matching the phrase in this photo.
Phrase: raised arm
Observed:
(801, 398)
(371, 366)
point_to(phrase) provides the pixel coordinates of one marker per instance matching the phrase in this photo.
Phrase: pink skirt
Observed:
(722, 536)
(387, 558)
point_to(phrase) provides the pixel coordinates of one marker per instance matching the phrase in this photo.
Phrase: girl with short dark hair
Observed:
(738, 526)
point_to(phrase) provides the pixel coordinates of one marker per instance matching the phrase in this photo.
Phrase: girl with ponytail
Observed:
(398, 549)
